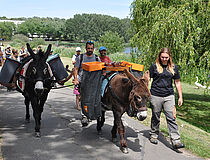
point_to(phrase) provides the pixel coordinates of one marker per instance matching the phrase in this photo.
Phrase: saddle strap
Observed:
(112, 91)
(115, 96)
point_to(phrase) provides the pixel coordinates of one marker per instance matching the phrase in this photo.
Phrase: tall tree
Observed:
(7, 30)
(113, 42)
(92, 26)
(181, 25)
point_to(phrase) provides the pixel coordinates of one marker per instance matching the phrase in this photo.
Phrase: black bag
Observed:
(57, 67)
(8, 70)
(90, 88)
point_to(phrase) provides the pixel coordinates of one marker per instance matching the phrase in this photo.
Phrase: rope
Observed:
(63, 86)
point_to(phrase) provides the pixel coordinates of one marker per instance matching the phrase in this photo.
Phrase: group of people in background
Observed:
(14, 53)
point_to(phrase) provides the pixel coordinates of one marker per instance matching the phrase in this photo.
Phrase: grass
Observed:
(67, 61)
(196, 107)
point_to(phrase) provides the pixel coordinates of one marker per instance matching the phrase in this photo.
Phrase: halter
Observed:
(21, 75)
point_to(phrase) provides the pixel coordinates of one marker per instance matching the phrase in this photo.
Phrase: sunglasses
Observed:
(91, 42)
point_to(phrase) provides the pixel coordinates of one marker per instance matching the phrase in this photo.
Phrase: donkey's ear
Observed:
(47, 53)
(30, 50)
(125, 80)
(130, 76)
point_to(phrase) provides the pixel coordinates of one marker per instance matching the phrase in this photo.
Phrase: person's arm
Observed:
(73, 59)
(69, 77)
(179, 89)
(76, 82)
(109, 60)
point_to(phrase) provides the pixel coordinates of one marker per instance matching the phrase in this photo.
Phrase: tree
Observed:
(181, 25)
(92, 26)
(46, 27)
(6, 30)
(112, 41)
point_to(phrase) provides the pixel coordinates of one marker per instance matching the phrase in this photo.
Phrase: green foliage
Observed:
(45, 27)
(64, 52)
(92, 26)
(117, 57)
(19, 40)
(181, 25)
(112, 41)
(81, 27)
(36, 42)
(6, 30)
(21, 37)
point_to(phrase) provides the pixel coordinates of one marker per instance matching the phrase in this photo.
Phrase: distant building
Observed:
(16, 22)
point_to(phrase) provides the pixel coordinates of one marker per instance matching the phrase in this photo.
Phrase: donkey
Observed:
(125, 93)
(38, 82)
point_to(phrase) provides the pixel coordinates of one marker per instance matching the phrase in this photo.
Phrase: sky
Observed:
(64, 8)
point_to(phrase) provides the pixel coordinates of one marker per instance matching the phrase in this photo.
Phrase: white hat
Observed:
(78, 49)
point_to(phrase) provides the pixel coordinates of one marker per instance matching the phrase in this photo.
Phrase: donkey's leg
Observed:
(114, 132)
(102, 118)
(100, 123)
(41, 104)
(27, 101)
(36, 114)
(121, 131)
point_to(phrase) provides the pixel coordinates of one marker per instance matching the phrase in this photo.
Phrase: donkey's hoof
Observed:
(37, 134)
(124, 150)
(100, 132)
(114, 140)
(27, 120)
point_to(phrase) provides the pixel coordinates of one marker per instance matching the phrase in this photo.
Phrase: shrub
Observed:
(117, 57)
(112, 41)
(36, 42)
(19, 40)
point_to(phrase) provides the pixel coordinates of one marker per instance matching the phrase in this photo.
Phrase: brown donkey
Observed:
(125, 93)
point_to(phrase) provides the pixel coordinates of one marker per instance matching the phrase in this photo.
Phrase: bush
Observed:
(19, 40)
(117, 57)
(112, 41)
(65, 52)
(36, 42)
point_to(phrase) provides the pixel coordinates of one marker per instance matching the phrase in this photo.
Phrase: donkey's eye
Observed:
(137, 98)
(45, 71)
(34, 70)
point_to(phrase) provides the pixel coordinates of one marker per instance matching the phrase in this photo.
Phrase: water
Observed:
(128, 50)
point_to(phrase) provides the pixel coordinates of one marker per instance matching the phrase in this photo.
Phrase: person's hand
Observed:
(61, 82)
(75, 81)
(180, 102)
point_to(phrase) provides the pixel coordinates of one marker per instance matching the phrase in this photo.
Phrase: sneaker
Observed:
(177, 144)
(84, 121)
(153, 140)
(78, 108)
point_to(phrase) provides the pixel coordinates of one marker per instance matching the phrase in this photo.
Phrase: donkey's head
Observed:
(38, 70)
(139, 95)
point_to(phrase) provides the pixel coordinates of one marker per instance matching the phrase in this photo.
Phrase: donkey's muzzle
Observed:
(39, 88)
(142, 115)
